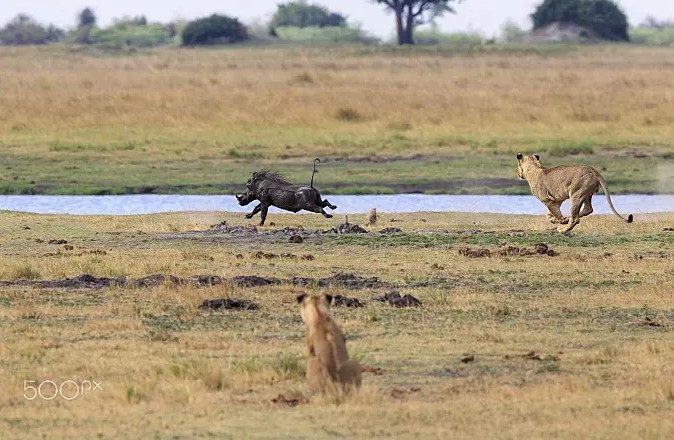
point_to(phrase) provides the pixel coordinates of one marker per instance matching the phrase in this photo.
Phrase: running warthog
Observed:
(272, 189)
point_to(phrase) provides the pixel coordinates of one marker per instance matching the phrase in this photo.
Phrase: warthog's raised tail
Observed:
(312, 174)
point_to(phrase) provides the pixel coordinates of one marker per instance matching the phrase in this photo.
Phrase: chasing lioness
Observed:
(554, 185)
(329, 369)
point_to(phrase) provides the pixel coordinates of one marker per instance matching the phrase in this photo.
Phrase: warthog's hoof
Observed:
(328, 215)
(249, 215)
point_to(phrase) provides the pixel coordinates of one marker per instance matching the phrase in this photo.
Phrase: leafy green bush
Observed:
(602, 17)
(329, 34)
(300, 14)
(663, 36)
(216, 29)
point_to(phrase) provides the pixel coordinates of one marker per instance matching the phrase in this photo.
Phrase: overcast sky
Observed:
(485, 16)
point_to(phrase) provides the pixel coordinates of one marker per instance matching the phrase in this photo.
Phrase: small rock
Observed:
(341, 300)
(394, 299)
(296, 239)
(467, 359)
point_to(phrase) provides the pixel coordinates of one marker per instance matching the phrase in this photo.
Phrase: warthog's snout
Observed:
(243, 199)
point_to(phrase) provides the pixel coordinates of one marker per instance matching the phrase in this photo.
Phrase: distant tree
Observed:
(23, 30)
(651, 22)
(127, 21)
(301, 15)
(511, 32)
(54, 33)
(215, 29)
(412, 13)
(86, 18)
(602, 17)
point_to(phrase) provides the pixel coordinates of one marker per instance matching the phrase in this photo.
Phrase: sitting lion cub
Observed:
(554, 185)
(329, 369)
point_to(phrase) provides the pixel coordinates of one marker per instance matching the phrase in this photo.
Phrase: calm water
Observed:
(149, 204)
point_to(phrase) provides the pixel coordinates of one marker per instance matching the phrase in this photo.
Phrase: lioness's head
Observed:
(523, 162)
(313, 307)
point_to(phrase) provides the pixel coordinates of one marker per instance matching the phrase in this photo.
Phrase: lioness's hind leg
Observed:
(574, 217)
(587, 207)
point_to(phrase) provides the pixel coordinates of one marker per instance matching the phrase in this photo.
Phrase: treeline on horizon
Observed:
(292, 22)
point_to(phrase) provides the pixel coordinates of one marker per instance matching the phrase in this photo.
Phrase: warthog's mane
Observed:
(272, 175)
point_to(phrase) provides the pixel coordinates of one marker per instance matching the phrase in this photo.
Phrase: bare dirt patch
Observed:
(282, 400)
(86, 281)
(228, 304)
(533, 356)
(508, 251)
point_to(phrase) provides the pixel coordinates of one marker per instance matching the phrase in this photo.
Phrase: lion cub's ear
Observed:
(519, 156)
(537, 157)
(300, 298)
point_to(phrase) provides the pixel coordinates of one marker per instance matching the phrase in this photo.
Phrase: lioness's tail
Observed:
(604, 187)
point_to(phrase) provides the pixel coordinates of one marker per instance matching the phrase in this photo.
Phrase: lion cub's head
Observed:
(315, 308)
(524, 162)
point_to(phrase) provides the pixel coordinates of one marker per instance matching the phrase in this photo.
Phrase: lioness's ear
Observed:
(328, 298)
(537, 157)
(519, 156)
(300, 298)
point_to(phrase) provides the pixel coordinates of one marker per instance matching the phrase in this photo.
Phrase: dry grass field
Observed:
(83, 121)
(575, 345)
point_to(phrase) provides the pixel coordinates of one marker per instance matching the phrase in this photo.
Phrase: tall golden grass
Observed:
(273, 97)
